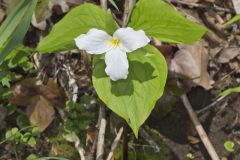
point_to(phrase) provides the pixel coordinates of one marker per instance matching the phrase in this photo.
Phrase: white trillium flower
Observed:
(123, 41)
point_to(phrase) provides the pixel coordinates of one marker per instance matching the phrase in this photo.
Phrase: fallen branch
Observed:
(80, 149)
(115, 143)
(201, 132)
(101, 134)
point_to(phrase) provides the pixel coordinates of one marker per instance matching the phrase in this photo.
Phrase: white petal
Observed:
(94, 42)
(116, 64)
(131, 39)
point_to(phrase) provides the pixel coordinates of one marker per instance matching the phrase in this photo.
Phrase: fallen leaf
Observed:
(91, 135)
(227, 54)
(23, 91)
(39, 99)
(191, 62)
(40, 112)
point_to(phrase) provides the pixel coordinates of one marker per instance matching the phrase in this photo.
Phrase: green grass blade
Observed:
(232, 20)
(230, 90)
(14, 28)
(114, 4)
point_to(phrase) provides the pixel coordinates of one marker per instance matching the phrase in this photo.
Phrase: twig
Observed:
(148, 138)
(101, 134)
(128, 7)
(115, 143)
(197, 5)
(201, 132)
(79, 148)
(77, 143)
(103, 4)
(210, 105)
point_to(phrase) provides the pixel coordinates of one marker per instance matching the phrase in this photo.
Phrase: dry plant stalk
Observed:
(115, 143)
(201, 132)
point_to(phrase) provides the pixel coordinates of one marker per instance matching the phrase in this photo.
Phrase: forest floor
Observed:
(216, 57)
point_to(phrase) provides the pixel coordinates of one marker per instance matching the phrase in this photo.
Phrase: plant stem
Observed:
(115, 143)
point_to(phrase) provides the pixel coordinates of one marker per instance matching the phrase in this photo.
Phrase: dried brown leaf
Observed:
(191, 62)
(40, 112)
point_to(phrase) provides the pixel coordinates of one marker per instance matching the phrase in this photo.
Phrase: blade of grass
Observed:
(14, 28)
(114, 4)
(232, 20)
(230, 90)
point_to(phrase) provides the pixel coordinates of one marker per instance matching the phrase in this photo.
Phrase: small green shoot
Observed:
(229, 146)
(190, 156)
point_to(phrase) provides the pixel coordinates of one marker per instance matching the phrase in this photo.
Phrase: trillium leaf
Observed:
(160, 20)
(78, 21)
(134, 98)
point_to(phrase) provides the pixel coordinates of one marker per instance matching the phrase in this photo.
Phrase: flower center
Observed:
(115, 42)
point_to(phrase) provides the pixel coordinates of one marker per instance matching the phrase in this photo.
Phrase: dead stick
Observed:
(79, 149)
(103, 4)
(115, 143)
(202, 134)
(101, 134)
(101, 119)
(128, 7)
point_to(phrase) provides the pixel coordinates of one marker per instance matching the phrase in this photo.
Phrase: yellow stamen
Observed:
(115, 42)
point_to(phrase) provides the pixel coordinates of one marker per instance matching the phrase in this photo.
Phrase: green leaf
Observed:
(12, 134)
(15, 27)
(18, 56)
(229, 146)
(224, 158)
(160, 20)
(32, 142)
(190, 156)
(114, 4)
(134, 98)
(78, 21)
(230, 90)
(6, 77)
(71, 137)
(32, 157)
(35, 131)
(234, 19)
